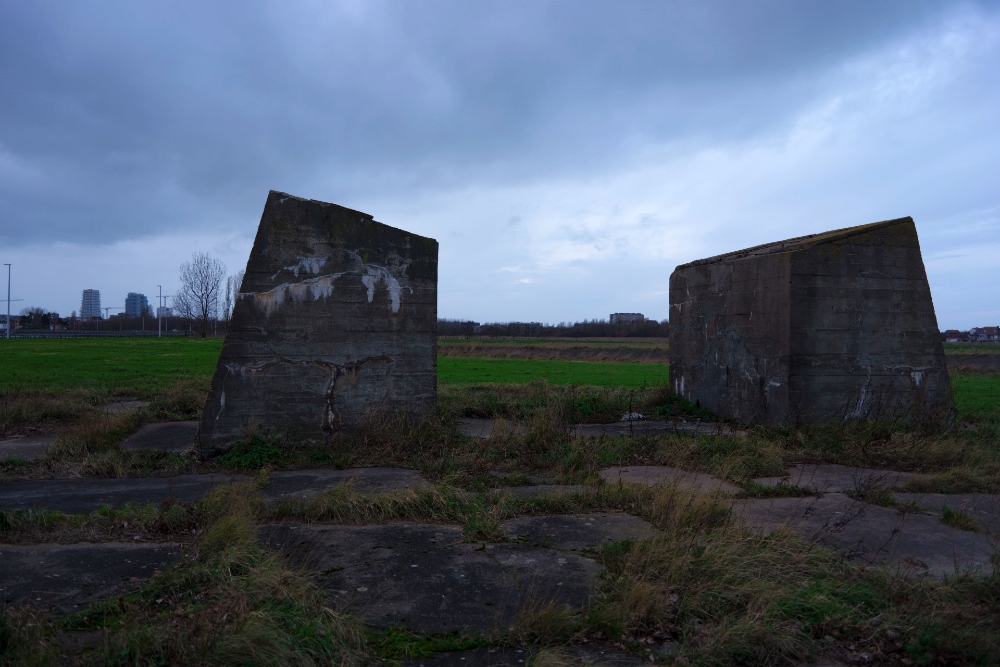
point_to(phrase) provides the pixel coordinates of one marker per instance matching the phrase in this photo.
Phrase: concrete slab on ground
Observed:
(422, 576)
(67, 577)
(115, 407)
(163, 436)
(26, 447)
(652, 427)
(653, 475)
(578, 531)
(475, 428)
(86, 494)
(539, 489)
(983, 507)
(493, 656)
(595, 655)
(826, 477)
(305, 483)
(917, 543)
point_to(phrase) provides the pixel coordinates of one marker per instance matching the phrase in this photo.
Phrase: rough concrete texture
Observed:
(916, 543)
(115, 407)
(86, 494)
(305, 483)
(336, 319)
(826, 477)
(593, 655)
(80, 495)
(652, 475)
(983, 507)
(539, 490)
(834, 325)
(66, 577)
(493, 656)
(424, 578)
(26, 447)
(578, 531)
(163, 436)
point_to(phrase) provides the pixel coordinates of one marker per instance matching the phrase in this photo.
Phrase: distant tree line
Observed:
(585, 329)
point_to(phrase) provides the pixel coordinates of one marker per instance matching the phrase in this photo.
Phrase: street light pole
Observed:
(159, 334)
(8, 300)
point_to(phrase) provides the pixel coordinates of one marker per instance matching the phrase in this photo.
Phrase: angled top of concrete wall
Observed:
(798, 243)
(336, 320)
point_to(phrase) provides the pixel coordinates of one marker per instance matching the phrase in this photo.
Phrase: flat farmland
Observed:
(143, 366)
(473, 370)
(123, 366)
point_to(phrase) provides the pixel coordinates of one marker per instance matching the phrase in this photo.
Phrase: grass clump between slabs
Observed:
(959, 518)
(230, 602)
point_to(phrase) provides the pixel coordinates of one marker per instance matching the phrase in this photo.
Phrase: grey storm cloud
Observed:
(121, 119)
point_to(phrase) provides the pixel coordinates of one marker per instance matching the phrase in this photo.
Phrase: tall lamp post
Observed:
(159, 334)
(8, 299)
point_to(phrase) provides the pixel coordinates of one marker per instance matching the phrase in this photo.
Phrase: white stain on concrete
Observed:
(312, 289)
(222, 403)
(375, 274)
(309, 265)
(320, 287)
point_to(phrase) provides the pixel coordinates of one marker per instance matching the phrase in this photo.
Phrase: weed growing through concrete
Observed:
(229, 602)
(959, 518)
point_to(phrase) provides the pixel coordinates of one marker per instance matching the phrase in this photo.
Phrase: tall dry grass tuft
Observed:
(27, 639)
(576, 404)
(96, 433)
(394, 440)
(21, 411)
(231, 603)
(344, 504)
(715, 592)
(182, 400)
(548, 623)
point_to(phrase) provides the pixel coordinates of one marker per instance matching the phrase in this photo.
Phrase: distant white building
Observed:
(627, 318)
(91, 304)
(136, 304)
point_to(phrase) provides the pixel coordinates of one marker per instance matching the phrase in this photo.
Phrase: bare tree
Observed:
(198, 297)
(233, 283)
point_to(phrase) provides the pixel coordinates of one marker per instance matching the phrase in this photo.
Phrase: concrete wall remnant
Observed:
(336, 318)
(837, 325)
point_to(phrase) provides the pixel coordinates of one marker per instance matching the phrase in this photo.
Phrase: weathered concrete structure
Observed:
(336, 318)
(834, 325)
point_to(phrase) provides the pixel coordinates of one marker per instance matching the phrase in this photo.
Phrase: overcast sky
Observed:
(566, 155)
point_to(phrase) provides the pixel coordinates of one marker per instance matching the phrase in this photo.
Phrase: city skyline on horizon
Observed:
(566, 156)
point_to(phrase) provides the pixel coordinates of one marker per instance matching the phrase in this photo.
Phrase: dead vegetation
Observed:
(707, 591)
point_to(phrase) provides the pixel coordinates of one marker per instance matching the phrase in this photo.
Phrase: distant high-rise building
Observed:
(136, 305)
(91, 305)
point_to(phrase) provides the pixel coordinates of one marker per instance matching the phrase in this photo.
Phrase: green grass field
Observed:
(977, 394)
(141, 366)
(470, 370)
(115, 365)
(641, 343)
